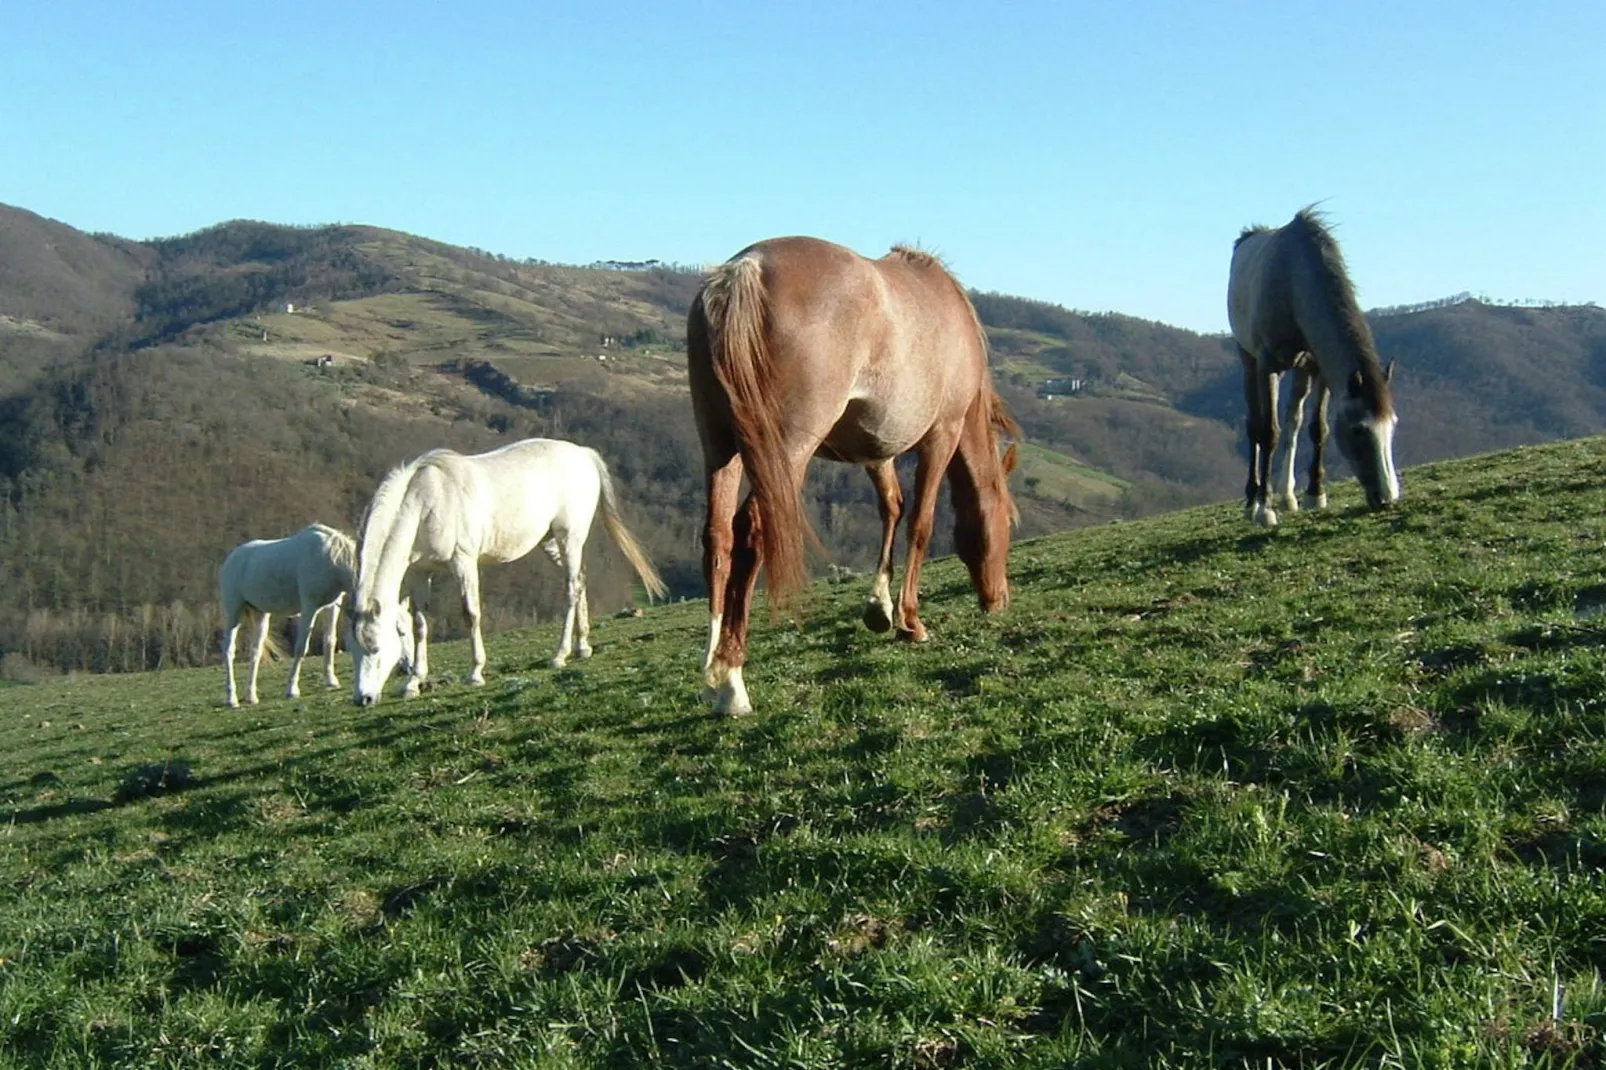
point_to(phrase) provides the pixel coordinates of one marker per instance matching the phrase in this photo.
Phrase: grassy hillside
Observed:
(1330, 795)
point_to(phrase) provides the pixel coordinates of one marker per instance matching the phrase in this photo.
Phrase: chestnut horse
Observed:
(799, 348)
(1292, 308)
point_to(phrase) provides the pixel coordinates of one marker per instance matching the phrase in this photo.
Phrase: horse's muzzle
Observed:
(366, 700)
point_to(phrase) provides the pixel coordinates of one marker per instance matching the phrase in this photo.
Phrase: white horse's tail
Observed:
(271, 647)
(621, 535)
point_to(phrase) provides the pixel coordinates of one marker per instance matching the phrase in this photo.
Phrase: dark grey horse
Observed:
(1292, 309)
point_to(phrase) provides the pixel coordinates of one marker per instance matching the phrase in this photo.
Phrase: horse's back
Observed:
(1260, 308)
(515, 496)
(875, 350)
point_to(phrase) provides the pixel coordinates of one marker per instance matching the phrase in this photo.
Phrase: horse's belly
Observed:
(868, 433)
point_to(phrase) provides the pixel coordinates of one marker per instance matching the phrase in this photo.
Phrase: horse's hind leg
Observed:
(230, 698)
(724, 482)
(576, 618)
(304, 623)
(1282, 462)
(329, 643)
(1316, 490)
(257, 645)
(729, 652)
(889, 497)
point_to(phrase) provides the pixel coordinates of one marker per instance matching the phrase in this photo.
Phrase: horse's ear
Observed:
(1011, 458)
(1388, 373)
(1356, 384)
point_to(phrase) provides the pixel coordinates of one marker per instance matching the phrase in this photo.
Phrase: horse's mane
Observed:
(342, 548)
(388, 498)
(1249, 232)
(1309, 226)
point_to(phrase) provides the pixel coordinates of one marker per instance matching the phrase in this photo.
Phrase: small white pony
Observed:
(305, 574)
(447, 511)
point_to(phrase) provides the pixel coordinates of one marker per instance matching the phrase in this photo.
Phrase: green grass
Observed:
(1205, 795)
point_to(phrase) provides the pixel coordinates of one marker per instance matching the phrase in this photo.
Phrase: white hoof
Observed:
(583, 652)
(731, 696)
(1266, 517)
(1316, 501)
(476, 679)
(1286, 501)
(558, 661)
(412, 688)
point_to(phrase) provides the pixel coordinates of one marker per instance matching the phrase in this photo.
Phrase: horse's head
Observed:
(377, 644)
(1365, 433)
(982, 522)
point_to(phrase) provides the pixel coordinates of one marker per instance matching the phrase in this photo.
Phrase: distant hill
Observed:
(162, 401)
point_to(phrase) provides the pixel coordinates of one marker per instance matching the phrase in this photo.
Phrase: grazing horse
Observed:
(450, 511)
(305, 573)
(799, 348)
(1292, 308)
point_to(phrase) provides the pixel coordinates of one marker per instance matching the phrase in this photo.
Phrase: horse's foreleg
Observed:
(934, 458)
(889, 497)
(329, 643)
(304, 624)
(1282, 492)
(1264, 411)
(468, 580)
(418, 671)
(1252, 496)
(1316, 490)
(257, 646)
(230, 698)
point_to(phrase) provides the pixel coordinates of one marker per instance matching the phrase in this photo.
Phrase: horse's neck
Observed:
(387, 550)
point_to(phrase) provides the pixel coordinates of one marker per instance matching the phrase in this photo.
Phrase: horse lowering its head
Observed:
(450, 511)
(1292, 308)
(799, 348)
(306, 573)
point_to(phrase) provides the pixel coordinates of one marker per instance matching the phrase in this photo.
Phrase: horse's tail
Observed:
(271, 648)
(621, 535)
(734, 305)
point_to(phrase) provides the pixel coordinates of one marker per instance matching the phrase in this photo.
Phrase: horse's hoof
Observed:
(731, 697)
(1266, 517)
(1315, 501)
(876, 617)
(558, 663)
(232, 703)
(476, 680)
(583, 653)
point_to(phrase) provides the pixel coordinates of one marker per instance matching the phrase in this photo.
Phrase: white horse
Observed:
(305, 574)
(447, 511)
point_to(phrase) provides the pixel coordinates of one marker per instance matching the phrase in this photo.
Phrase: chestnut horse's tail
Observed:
(734, 306)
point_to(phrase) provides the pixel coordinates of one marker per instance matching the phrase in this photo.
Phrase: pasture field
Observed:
(1330, 795)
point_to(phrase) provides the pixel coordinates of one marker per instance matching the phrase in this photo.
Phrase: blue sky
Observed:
(1101, 156)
